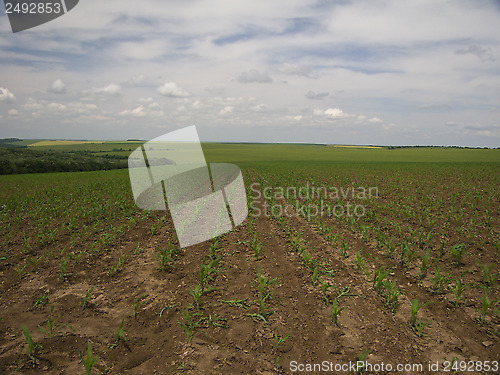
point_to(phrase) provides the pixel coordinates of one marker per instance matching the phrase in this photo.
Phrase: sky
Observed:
(415, 72)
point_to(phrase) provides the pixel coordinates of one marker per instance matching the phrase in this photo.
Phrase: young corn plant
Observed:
(166, 257)
(487, 306)
(336, 312)
(41, 301)
(53, 325)
(489, 277)
(361, 359)
(440, 282)
(425, 264)
(191, 326)
(120, 335)
(457, 252)
(20, 270)
(137, 304)
(458, 290)
(87, 300)
(344, 249)
(196, 292)
(263, 285)
(256, 246)
(392, 295)
(315, 275)
(324, 290)
(418, 325)
(279, 339)
(90, 360)
(32, 347)
(378, 279)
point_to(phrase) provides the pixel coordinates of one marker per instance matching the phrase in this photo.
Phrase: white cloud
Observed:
(58, 107)
(173, 90)
(57, 87)
(226, 110)
(6, 95)
(335, 113)
(110, 90)
(137, 112)
(146, 100)
(253, 76)
(138, 79)
(375, 120)
(13, 112)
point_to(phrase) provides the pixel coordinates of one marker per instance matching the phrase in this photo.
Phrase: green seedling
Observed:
(344, 248)
(52, 325)
(168, 307)
(336, 312)
(458, 290)
(32, 347)
(362, 358)
(237, 303)
(279, 339)
(257, 317)
(440, 282)
(486, 307)
(416, 324)
(136, 305)
(64, 265)
(264, 282)
(360, 262)
(392, 295)
(89, 361)
(120, 335)
(457, 252)
(217, 321)
(87, 300)
(315, 274)
(489, 277)
(212, 250)
(196, 292)
(41, 301)
(425, 264)
(166, 257)
(378, 279)
(191, 326)
(34, 262)
(256, 246)
(20, 270)
(324, 290)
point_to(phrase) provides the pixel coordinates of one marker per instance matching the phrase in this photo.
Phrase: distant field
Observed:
(63, 143)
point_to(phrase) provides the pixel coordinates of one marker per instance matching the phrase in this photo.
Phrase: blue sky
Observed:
(354, 72)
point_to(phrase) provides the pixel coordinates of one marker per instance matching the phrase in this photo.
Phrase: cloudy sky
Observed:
(353, 72)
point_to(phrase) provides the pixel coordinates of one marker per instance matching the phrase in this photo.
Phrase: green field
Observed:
(280, 287)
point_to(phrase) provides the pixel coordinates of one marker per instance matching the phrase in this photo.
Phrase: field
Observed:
(384, 256)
